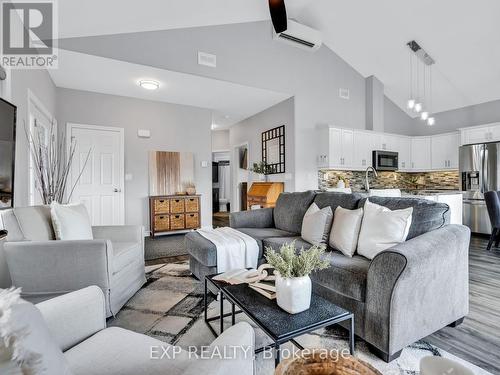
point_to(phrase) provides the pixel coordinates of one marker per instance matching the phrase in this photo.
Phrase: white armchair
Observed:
(77, 340)
(44, 267)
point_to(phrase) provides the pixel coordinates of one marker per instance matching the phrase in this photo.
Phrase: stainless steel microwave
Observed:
(385, 160)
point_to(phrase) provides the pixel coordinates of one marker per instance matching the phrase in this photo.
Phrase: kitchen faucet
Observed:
(367, 184)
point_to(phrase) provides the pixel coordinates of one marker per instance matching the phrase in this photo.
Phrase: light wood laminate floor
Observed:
(477, 339)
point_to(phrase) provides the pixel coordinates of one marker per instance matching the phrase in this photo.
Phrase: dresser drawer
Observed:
(161, 223)
(162, 206)
(192, 221)
(177, 222)
(177, 205)
(192, 204)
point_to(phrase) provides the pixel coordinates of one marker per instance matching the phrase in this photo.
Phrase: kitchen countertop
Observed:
(423, 192)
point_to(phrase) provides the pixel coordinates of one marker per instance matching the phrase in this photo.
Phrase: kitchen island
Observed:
(453, 198)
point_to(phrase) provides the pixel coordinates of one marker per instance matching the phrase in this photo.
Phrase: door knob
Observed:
(116, 190)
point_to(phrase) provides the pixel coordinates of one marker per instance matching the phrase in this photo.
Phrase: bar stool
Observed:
(492, 199)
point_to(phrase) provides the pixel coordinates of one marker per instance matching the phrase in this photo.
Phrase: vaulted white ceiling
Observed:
(229, 102)
(463, 36)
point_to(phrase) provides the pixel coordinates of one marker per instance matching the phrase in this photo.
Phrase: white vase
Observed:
(293, 294)
(341, 184)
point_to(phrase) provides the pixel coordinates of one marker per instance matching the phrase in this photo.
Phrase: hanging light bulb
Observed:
(418, 107)
(424, 115)
(411, 103)
(431, 121)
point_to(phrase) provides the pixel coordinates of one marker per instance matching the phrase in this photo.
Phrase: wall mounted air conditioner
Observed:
(301, 36)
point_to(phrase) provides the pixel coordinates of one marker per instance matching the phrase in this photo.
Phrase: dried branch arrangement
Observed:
(52, 166)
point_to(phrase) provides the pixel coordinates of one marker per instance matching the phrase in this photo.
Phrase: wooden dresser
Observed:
(174, 212)
(264, 194)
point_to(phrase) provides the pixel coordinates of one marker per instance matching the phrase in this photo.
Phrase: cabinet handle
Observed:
(162, 217)
(177, 216)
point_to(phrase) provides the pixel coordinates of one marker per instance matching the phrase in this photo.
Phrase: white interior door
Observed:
(101, 184)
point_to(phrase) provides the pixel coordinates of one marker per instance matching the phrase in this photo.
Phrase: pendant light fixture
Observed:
(421, 104)
(430, 120)
(411, 101)
(424, 114)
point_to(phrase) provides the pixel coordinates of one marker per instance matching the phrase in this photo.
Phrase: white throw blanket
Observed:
(235, 250)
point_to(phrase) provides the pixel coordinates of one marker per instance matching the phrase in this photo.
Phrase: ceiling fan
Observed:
(278, 15)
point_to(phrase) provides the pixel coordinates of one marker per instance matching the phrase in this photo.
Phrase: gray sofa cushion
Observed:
(335, 199)
(346, 276)
(276, 242)
(427, 215)
(290, 209)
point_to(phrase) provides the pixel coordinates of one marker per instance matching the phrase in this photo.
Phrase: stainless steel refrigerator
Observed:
(479, 172)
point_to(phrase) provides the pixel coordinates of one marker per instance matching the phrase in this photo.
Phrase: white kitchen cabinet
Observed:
(421, 153)
(404, 157)
(336, 148)
(364, 144)
(390, 142)
(444, 151)
(480, 134)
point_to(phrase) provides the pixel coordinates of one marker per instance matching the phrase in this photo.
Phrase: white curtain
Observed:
(224, 182)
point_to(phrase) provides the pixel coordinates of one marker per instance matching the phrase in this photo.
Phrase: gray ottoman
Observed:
(202, 255)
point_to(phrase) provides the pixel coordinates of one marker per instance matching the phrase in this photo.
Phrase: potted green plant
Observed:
(292, 270)
(261, 169)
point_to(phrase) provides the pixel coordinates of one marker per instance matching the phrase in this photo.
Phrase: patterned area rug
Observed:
(170, 308)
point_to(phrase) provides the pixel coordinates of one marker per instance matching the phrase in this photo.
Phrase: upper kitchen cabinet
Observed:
(390, 142)
(445, 151)
(420, 153)
(365, 142)
(404, 157)
(480, 134)
(336, 148)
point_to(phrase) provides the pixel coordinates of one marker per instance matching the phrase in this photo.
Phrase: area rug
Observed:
(170, 308)
(164, 246)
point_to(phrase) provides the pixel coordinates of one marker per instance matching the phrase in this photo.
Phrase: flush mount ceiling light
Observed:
(149, 84)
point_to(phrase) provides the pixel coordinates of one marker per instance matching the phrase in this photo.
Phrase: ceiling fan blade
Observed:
(278, 15)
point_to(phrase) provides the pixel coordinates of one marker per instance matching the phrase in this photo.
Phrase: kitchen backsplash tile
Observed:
(390, 180)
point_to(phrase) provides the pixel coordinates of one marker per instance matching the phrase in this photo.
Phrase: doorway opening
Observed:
(221, 188)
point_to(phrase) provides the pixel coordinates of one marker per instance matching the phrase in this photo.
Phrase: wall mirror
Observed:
(273, 150)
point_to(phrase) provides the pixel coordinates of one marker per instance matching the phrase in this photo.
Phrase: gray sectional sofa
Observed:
(404, 294)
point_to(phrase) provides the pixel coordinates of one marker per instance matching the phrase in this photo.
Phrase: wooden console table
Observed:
(174, 212)
(264, 194)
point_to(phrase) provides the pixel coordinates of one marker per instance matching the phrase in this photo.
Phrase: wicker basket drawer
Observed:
(177, 205)
(192, 204)
(161, 223)
(177, 222)
(192, 221)
(162, 206)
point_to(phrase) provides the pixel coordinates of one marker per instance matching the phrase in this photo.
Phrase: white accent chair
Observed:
(80, 344)
(44, 267)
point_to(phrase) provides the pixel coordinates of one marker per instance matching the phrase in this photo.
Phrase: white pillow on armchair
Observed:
(71, 222)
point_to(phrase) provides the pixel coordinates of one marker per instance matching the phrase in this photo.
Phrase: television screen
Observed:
(7, 151)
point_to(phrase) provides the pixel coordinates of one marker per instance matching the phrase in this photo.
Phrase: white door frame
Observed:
(34, 102)
(71, 125)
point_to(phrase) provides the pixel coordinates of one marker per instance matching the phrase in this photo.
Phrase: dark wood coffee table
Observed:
(279, 325)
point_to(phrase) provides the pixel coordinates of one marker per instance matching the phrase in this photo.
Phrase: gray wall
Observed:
(41, 85)
(220, 140)
(247, 54)
(460, 118)
(250, 130)
(396, 120)
(173, 128)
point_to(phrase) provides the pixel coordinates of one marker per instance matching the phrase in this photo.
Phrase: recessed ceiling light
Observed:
(149, 84)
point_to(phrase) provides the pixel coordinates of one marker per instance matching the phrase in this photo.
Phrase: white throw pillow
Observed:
(71, 222)
(25, 340)
(316, 224)
(345, 230)
(382, 228)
